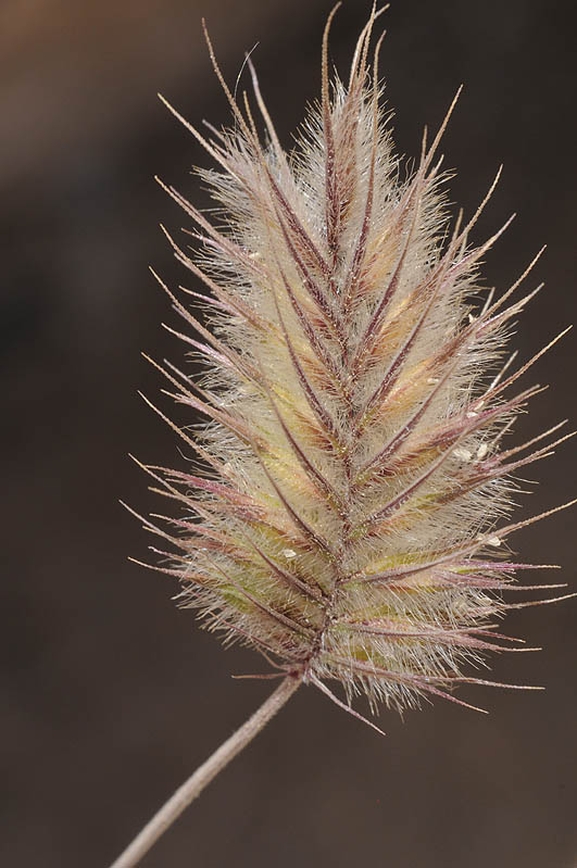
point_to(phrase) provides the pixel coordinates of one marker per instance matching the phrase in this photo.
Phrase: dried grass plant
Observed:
(347, 513)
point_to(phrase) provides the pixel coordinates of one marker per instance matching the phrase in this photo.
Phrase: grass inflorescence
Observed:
(347, 512)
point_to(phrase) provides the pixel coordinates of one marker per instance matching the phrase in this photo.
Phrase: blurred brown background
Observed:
(111, 696)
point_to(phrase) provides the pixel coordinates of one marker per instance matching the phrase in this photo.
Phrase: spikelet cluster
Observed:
(346, 512)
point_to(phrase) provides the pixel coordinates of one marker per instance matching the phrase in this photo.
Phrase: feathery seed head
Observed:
(348, 516)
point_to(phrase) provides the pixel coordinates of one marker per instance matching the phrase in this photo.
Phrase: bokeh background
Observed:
(110, 695)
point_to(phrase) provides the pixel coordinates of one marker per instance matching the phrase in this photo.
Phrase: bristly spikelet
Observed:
(348, 516)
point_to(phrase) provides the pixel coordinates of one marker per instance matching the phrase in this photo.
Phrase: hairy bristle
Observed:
(348, 512)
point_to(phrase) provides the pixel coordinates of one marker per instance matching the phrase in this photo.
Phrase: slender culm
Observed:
(348, 509)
